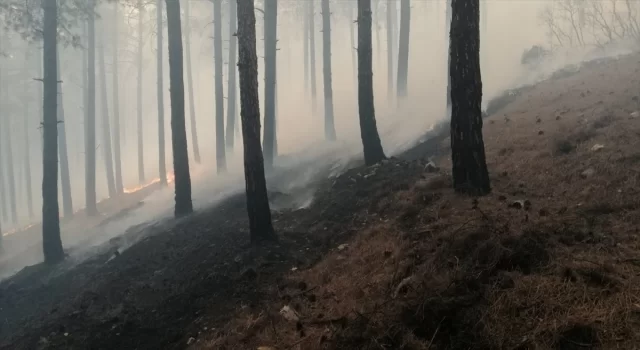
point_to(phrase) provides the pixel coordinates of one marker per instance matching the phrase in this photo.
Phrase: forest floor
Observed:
(388, 257)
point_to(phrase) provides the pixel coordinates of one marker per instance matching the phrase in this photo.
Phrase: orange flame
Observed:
(129, 190)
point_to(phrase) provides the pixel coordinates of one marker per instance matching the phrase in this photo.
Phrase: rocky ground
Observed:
(388, 256)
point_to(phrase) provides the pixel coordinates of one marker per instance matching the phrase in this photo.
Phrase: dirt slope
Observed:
(550, 259)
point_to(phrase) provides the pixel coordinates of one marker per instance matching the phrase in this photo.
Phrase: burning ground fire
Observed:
(170, 179)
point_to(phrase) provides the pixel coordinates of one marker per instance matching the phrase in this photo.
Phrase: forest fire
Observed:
(170, 179)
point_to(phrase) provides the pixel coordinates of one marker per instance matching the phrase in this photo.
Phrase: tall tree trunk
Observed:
(233, 66)
(51, 242)
(373, 152)
(312, 53)
(141, 176)
(6, 127)
(221, 161)
(27, 143)
(448, 19)
(352, 37)
(305, 41)
(470, 173)
(403, 52)
(192, 104)
(184, 205)
(106, 125)
(116, 104)
(90, 123)
(329, 126)
(65, 176)
(391, 17)
(162, 162)
(258, 209)
(270, 41)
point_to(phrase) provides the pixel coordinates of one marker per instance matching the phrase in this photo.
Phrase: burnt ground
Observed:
(388, 256)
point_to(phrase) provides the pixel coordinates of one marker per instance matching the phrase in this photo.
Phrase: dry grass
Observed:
(445, 272)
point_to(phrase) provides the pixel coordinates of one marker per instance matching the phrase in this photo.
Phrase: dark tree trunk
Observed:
(391, 17)
(106, 126)
(116, 104)
(470, 173)
(403, 52)
(192, 104)
(233, 66)
(141, 176)
(256, 186)
(221, 161)
(329, 127)
(162, 162)
(184, 205)
(448, 29)
(51, 242)
(65, 176)
(27, 144)
(270, 41)
(90, 123)
(312, 54)
(373, 152)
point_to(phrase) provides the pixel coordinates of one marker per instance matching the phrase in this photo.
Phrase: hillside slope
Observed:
(550, 259)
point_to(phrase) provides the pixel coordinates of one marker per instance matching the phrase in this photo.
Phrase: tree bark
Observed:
(192, 104)
(329, 126)
(312, 54)
(51, 242)
(403, 52)
(184, 204)
(221, 161)
(372, 146)
(116, 105)
(141, 175)
(270, 42)
(65, 176)
(256, 186)
(90, 122)
(470, 173)
(448, 19)
(233, 66)
(162, 162)
(106, 125)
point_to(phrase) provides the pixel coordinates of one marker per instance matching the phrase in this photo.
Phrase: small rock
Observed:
(294, 269)
(520, 204)
(191, 340)
(597, 147)
(343, 246)
(540, 132)
(289, 314)
(66, 334)
(431, 167)
(558, 117)
(538, 121)
(587, 173)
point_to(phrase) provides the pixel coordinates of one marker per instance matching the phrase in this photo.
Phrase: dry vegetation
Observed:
(550, 259)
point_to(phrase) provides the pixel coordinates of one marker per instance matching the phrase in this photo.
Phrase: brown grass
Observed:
(443, 272)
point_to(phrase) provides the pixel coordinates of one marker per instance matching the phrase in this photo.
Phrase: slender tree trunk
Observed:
(221, 161)
(470, 173)
(352, 37)
(6, 127)
(373, 152)
(116, 104)
(305, 41)
(329, 126)
(403, 52)
(162, 162)
(448, 29)
(270, 42)
(233, 66)
(184, 205)
(27, 143)
(90, 123)
(192, 104)
(141, 176)
(51, 242)
(106, 126)
(65, 176)
(391, 17)
(256, 186)
(312, 54)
